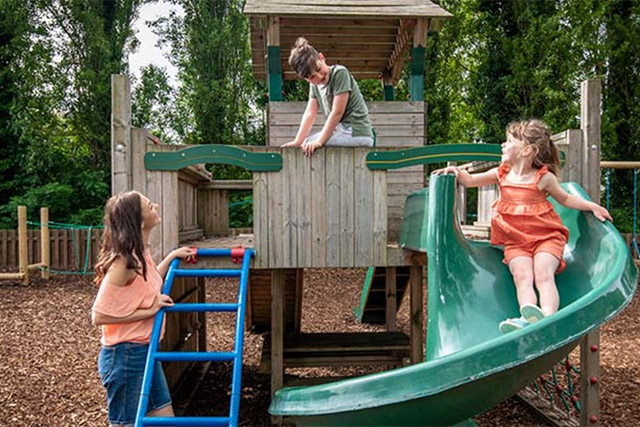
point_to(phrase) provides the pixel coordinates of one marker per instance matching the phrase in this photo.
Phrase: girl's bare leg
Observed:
(521, 268)
(544, 269)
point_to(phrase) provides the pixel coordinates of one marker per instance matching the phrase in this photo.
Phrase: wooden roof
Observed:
(370, 37)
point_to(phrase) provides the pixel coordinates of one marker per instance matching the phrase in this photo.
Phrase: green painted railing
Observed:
(433, 154)
(219, 154)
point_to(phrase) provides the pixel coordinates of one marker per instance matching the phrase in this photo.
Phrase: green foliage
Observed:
(494, 62)
(210, 46)
(55, 101)
(240, 210)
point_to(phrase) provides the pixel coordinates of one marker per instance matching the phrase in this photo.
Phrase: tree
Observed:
(210, 46)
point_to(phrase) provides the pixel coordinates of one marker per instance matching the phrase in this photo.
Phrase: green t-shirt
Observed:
(356, 114)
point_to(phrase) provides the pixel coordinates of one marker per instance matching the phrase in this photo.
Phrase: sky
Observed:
(148, 53)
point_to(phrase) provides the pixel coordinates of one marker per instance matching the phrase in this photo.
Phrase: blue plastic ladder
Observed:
(235, 356)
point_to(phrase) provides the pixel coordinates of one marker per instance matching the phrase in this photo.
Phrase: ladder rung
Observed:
(186, 421)
(194, 356)
(200, 307)
(233, 272)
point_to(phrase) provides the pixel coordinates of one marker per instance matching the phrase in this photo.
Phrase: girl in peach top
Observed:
(127, 301)
(524, 221)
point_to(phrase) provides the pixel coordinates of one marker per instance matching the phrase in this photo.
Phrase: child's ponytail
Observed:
(535, 133)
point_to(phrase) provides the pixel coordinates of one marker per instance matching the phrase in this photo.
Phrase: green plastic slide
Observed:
(470, 367)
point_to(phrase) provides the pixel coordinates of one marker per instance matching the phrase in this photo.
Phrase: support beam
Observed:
(417, 342)
(391, 296)
(120, 133)
(277, 334)
(388, 87)
(274, 68)
(416, 82)
(403, 41)
(277, 329)
(590, 124)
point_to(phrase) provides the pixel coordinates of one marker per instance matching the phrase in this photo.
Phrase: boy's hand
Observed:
(309, 148)
(601, 213)
(292, 144)
(449, 169)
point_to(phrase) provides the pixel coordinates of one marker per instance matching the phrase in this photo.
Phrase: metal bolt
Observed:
(594, 347)
(593, 380)
(120, 148)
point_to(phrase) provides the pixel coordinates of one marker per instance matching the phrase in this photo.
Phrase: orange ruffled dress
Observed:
(525, 222)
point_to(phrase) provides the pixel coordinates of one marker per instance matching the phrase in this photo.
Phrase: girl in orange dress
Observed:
(524, 221)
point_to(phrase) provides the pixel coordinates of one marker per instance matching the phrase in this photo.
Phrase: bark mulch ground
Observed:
(48, 354)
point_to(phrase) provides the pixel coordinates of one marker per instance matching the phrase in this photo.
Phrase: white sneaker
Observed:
(531, 313)
(511, 325)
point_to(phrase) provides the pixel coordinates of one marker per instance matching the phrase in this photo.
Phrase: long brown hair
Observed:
(535, 133)
(122, 235)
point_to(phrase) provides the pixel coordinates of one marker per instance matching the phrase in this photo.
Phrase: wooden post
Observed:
(120, 133)
(274, 68)
(277, 329)
(202, 318)
(387, 86)
(416, 83)
(589, 347)
(390, 309)
(277, 333)
(45, 246)
(415, 283)
(590, 125)
(22, 244)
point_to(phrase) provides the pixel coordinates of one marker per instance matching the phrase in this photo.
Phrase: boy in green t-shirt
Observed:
(335, 91)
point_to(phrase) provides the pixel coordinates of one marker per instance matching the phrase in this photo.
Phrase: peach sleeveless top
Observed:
(522, 214)
(121, 301)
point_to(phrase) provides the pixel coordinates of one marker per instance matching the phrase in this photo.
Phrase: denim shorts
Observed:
(121, 368)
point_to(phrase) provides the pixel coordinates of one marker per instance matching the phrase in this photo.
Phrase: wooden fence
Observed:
(68, 249)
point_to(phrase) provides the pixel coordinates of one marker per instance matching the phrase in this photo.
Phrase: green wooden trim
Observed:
(274, 73)
(416, 82)
(433, 154)
(389, 93)
(219, 154)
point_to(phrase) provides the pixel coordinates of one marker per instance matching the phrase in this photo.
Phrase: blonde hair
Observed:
(303, 58)
(535, 133)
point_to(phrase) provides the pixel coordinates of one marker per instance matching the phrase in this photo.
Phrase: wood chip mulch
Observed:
(49, 349)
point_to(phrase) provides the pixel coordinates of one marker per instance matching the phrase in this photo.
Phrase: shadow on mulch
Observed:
(48, 353)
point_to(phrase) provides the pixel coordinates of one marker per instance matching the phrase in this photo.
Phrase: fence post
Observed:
(591, 93)
(45, 246)
(22, 244)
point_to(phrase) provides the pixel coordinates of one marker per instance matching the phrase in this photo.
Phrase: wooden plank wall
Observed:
(213, 211)
(322, 211)
(397, 124)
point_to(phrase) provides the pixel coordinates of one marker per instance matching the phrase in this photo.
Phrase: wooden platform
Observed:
(396, 256)
(339, 349)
